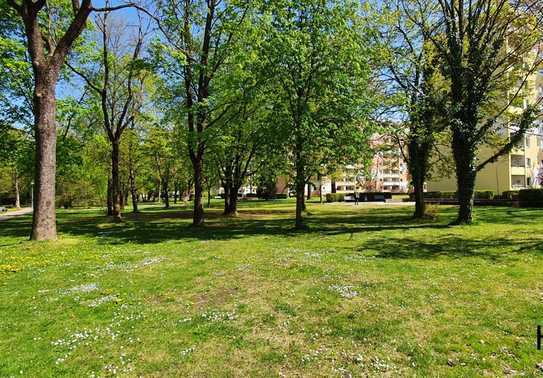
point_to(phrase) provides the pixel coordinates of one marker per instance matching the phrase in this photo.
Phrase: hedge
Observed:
(484, 194)
(530, 197)
(335, 197)
(510, 195)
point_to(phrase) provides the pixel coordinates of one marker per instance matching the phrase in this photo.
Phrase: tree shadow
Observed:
(494, 249)
(155, 225)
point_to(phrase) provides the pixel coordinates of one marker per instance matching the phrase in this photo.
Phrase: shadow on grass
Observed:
(451, 246)
(154, 225)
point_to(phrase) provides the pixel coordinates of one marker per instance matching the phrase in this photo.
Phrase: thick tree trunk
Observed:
(44, 216)
(231, 204)
(308, 191)
(334, 189)
(115, 181)
(418, 191)
(464, 157)
(198, 212)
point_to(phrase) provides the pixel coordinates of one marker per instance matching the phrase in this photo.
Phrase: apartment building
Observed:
(520, 169)
(387, 173)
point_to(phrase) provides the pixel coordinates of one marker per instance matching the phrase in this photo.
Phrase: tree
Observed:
(15, 156)
(487, 47)
(198, 36)
(319, 59)
(47, 50)
(164, 157)
(416, 89)
(116, 84)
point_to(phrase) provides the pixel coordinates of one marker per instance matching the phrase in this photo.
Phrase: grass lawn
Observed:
(366, 291)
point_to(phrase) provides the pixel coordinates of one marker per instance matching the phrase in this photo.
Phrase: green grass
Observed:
(366, 291)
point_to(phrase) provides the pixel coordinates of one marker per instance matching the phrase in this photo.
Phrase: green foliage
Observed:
(530, 197)
(335, 197)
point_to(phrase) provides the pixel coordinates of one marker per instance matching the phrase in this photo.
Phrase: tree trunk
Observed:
(17, 191)
(231, 205)
(334, 189)
(175, 192)
(133, 191)
(300, 183)
(115, 181)
(109, 198)
(466, 173)
(208, 197)
(308, 191)
(418, 191)
(320, 187)
(44, 216)
(166, 194)
(198, 212)
(300, 203)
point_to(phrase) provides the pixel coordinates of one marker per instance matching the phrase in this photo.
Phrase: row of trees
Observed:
(185, 95)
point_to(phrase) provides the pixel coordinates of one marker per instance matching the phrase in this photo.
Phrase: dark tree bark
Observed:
(230, 198)
(333, 189)
(308, 190)
(466, 172)
(166, 192)
(115, 182)
(132, 182)
(198, 211)
(109, 198)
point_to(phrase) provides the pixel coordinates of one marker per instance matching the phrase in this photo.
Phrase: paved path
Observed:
(16, 213)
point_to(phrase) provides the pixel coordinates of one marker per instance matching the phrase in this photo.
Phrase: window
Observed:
(517, 161)
(517, 181)
(529, 163)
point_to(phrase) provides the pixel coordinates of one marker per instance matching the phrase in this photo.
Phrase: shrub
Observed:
(335, 197)
(531, 197)
(484, 194)
(281, 196)
(511, 195)
(448, 195)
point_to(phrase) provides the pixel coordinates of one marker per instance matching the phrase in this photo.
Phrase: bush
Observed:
(531, 197)
(335, 197)
(281, 196)
(484, 194)
(511, 195)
